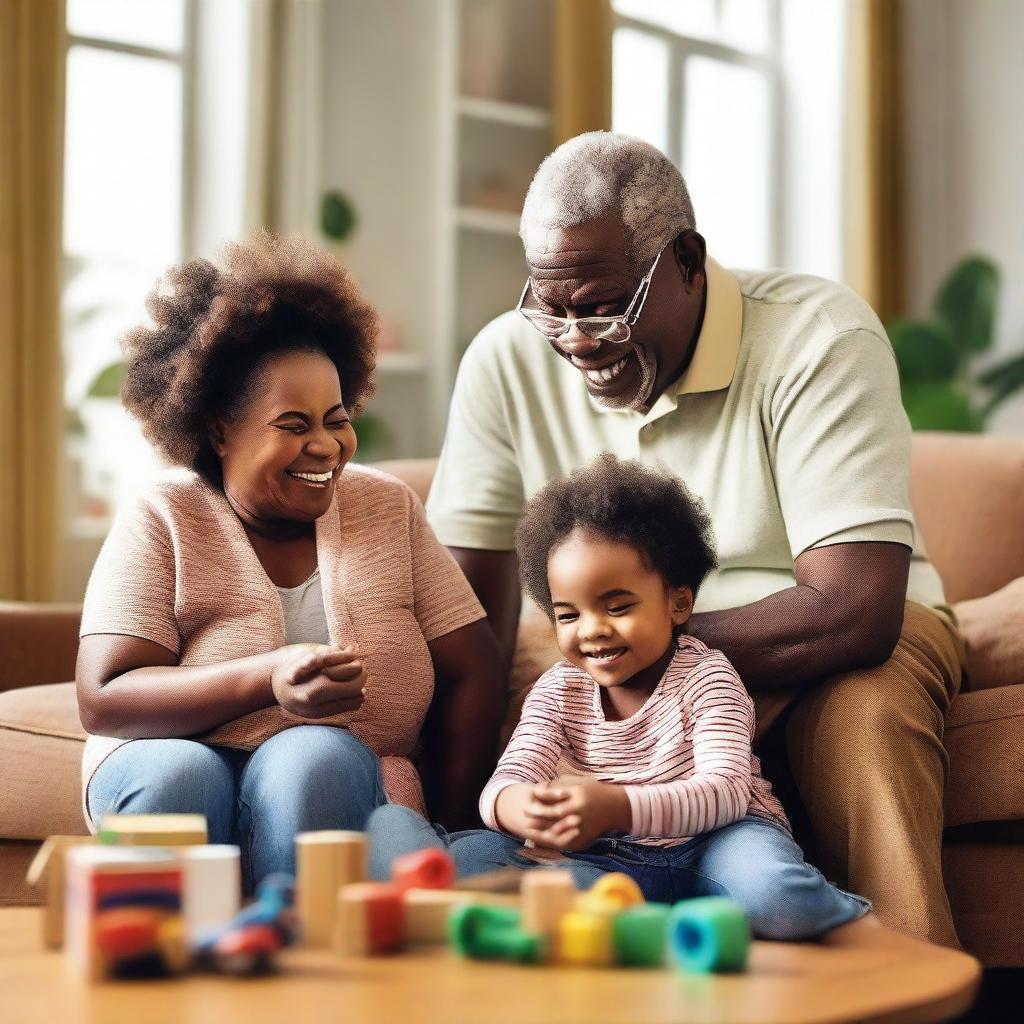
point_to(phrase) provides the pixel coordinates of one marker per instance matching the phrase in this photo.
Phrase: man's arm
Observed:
(845, 612)
(494, 576)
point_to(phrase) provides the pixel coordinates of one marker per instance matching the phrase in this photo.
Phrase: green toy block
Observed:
(639, 934)
(709, 934)
(492, 933)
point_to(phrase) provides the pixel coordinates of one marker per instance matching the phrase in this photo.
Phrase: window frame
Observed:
(185, 60)
(768, 62)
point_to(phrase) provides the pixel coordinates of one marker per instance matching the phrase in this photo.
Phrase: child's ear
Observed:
(215, 432)
(682, 604)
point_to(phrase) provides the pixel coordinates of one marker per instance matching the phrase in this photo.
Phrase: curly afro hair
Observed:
(622, 501)
(214, 324)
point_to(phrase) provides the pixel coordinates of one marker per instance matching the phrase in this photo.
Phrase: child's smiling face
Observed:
(614, 614)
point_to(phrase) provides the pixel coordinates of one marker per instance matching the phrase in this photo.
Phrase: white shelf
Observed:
(497, 222)
(518, 115)
(401, 362)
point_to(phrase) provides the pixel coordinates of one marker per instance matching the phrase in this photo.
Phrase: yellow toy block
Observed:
(586, 939)
(153, 830)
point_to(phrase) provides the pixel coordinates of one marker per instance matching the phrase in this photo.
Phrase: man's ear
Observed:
(682, 604)
(215, 432)
(690, 252)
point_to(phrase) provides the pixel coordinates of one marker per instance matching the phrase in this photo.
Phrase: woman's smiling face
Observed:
(281, 455)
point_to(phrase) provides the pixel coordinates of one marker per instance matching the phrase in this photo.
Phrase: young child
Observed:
(634, 753)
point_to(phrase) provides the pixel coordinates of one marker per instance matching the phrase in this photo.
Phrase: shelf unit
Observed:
(496, 127)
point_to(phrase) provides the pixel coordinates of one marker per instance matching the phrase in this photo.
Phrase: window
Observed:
(126, 193)
(747, 97)
(701, 81)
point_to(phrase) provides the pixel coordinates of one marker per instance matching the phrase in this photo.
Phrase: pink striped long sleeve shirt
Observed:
(684, 758)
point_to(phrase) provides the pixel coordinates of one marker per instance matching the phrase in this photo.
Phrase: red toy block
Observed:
(425, 869)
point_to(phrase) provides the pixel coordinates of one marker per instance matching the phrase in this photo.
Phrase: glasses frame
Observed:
(627, 319)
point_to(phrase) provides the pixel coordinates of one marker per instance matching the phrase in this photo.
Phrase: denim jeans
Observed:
(753, 861)
(306, 778)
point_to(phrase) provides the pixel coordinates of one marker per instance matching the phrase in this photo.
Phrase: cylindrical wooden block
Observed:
(547, 895)
(213, 887)
(325, 861)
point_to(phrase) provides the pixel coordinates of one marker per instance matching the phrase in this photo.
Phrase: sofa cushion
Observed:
(41, 741)
(993, 628)
(985, 740)
(967, 493)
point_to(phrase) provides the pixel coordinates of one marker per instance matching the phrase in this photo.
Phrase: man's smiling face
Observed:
(583, 271)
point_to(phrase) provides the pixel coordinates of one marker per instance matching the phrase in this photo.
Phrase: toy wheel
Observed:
(710, 934)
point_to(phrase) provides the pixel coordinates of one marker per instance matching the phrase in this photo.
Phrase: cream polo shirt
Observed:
(787, 423)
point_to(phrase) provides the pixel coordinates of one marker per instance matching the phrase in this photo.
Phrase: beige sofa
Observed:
(968, 493)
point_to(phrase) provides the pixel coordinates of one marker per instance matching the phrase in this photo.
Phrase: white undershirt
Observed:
(305, 619)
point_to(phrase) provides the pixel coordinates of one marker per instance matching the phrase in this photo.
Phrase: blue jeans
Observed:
(753, 861)
(306, 778)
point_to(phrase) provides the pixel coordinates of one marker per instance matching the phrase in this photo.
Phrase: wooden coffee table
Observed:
(863, 972)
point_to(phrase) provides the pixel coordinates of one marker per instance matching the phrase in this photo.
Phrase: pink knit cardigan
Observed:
(178, 569)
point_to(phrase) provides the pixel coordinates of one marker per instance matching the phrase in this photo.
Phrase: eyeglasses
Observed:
(616, 329)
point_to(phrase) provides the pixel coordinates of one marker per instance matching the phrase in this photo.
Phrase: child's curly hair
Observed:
(622, 501)
(215, 323)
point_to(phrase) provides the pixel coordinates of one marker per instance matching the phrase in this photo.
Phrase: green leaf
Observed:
(107, 383)
(940, 407)
(337, 216)
(373, 436)
(1003, 380)
(966, 301)
(925, 351)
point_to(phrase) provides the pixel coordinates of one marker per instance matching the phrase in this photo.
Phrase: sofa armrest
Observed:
(38, 643)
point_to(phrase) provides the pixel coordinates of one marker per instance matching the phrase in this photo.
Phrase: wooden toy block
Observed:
(124, 912)
(213, 887)
(47, 871)
(369, 919)
(325, 861)
(493, 933)
(709, 934)
(585, 938)
(640, 933)
(547, 895)
(153, 830)
(501, 880)
(426, 911)
(618, 889)
(424, 869)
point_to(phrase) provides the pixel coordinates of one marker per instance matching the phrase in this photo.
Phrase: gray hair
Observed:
(604, 172)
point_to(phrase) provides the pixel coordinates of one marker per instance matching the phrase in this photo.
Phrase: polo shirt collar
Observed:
(718, 344)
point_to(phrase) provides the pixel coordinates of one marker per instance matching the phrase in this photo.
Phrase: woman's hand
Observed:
(317, 680)
(570, 812)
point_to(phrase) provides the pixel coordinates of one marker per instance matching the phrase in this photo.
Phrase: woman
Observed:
(266, 584)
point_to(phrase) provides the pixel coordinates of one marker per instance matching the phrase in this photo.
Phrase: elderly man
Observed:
(775, 397)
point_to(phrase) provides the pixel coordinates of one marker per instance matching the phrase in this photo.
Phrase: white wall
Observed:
(965, 155)
(380, 147)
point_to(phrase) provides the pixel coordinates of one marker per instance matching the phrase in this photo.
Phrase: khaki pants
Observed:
(859, 765)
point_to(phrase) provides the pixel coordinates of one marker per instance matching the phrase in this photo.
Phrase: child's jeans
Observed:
(303, 779)
(754, 861)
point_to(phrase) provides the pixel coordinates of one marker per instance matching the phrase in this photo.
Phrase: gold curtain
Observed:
(873, 215)
(31, 410)
(583, 67)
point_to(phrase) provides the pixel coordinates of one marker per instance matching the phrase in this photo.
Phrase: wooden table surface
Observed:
(861, 973)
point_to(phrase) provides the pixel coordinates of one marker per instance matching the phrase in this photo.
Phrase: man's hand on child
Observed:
(570, 812)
